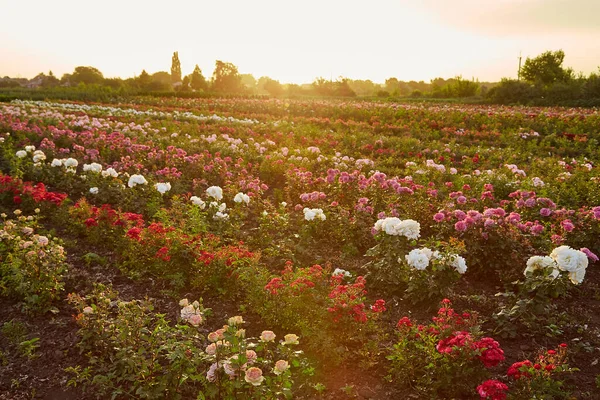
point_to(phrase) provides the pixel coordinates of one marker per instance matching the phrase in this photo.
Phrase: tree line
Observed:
(542, 80)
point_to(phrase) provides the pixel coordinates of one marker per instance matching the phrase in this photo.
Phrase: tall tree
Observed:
(162, 77)
(175, 68)
(226, 78)
(198, 82)
(249, 82)
(87, 75)
(546, 68)
(144, 80)
(273, 87)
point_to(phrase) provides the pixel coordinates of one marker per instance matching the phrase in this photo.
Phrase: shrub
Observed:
(32, 266)
(135, 352)
(444, 358)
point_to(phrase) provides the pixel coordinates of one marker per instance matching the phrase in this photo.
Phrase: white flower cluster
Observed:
(342, 272)
(539, 263)
(573, 261)
(162, 187)
(110, 172)
(312, 213)
(191, 312)
(38, 155)
(116, 111)
(242, 198)
(136, 179)
(69, 163)
(419, 259)
(215, 192)
(393, 226)
(93, 167)
(562, 258)
(198, 201)
(458, 263)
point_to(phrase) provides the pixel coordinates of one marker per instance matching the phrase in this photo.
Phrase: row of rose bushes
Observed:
(494, 224)
(154, 188)
(343, 321)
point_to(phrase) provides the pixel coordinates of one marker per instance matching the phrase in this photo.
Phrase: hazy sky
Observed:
(297, 41)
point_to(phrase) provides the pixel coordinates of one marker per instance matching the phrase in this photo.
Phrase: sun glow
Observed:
(293, 42)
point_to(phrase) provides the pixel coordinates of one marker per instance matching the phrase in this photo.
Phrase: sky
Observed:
(298, 41)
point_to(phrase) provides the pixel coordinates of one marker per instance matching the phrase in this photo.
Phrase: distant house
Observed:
(35, 82)
(177, 84)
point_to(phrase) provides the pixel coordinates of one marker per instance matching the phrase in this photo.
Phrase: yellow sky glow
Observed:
(297, 41)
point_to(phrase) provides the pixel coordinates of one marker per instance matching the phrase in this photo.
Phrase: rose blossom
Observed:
(267, 336)
(254, 376)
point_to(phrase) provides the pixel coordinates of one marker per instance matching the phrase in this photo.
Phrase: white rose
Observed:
(241, 198)
(215, 192)
(569, 259)
(38, 156)
(220, 216)
(136, 179)
(110, 172)
(198, 201)
(409, 228)
(577, 276)
(458, 263)
(93, 167)
(343, 272)
(538, 262)
(163, 187)
(71, 163)
(417, 259)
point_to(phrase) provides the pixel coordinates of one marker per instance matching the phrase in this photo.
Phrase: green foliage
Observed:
(531, 305)
(86, 75)
(439, 360)
(197, 80)
(273, 87)
(16, 333)
(542, 378)
(339, 88)
(546, 68)
(391, 271)
(133, 351)
(32, 266)
(511, 91)
(226, 78)
(175, 68)
(136, 352)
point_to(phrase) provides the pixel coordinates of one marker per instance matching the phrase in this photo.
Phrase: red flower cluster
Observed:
(456, 340)
(379, 306)
(107, 216)
(403, 323)
(491, 354)
(349, 300)
(297, 281)
(520, 369)
(37, 192)
(274, 285)
(492, 390)
(547, 362)
(448, 319)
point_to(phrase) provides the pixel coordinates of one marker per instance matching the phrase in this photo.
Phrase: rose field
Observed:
(238, 248)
